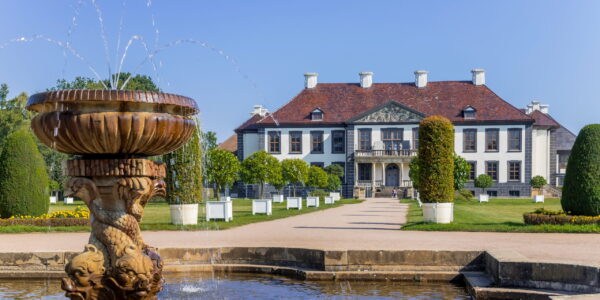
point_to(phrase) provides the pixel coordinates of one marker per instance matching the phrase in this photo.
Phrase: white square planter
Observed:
(262, 206)
(184, 214)
(53, 199)
(442, 213)
(277, 198)
(484, 198)
(294, 202)
(335, 196)
(329, 200)
(68, 200)
(538, 199)
(219, 210)
(312, 201)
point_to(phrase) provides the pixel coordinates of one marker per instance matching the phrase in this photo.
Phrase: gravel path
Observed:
(370, 225)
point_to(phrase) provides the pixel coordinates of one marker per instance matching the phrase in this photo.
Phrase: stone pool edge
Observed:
(494, 274)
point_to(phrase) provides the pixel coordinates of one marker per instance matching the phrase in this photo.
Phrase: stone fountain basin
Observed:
(111, 122)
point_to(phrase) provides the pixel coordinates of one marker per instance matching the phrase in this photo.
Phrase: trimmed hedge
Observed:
(436, 160)
(581, 190)
(54, 222)
(184, 173)
(539, 219)
(23, 177)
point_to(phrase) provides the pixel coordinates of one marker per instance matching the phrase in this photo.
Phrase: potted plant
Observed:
(483, 182)
(436, 169)
(184, 182)
(538, 182)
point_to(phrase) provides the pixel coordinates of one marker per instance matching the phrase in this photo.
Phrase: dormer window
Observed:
(469, 113)
(316, 114)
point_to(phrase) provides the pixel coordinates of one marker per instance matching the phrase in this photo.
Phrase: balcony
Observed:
(400, 153)
(379, 183)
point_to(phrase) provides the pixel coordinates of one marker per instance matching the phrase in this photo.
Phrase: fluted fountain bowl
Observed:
(112, 122)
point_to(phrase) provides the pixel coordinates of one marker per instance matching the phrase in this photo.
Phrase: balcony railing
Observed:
(379, 183)
(386, 153)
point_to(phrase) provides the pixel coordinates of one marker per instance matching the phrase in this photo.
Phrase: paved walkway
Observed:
(371, 225)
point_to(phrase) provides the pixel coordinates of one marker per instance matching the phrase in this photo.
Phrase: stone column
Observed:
(372, 177)
(383, 173)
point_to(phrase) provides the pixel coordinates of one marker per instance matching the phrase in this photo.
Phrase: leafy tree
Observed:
(222, 169)
(209, 140)
(317, 177)
(23, 177)
(184, 173)
(333, 182)
(260, 168)
(135, 83)
(294, 171)
(538, 182)
(436, 162)
(581, 190)
(334, 169)
(462, 169)
(483, 182)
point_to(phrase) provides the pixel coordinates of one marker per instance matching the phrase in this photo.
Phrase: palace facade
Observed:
(371, 130)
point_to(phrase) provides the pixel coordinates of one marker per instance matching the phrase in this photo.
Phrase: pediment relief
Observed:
(391, 112)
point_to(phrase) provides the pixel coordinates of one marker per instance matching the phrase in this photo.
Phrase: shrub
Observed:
(319, 193)
(542, 216)
(581, 190)
(436, 163)
(464, 195)
(54, 222)
(462, 170)
(413, 172)
(23, 177)
(538, 182)
(483, 182)
(334, 169)
(184, 173)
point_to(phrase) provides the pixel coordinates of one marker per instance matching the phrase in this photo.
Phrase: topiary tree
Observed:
(538, 182)
(260, 168)
(184, 173)
(413, 172)
(483, 182)
(581, 190)
(462, 170)
(436, 162)
(222, 169)
(317, 178)
(294, 171)
(23, 178)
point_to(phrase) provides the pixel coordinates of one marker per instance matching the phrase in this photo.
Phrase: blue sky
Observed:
(545, 50)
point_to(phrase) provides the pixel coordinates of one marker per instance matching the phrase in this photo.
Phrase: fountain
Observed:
(111, 132)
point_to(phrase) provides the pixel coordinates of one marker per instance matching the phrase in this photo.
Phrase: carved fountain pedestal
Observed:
(111, 132)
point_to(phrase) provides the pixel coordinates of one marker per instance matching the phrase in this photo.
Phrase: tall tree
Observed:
(222, 169)
(209, 140)
(135, 83)
(294, 171)
(260, 168)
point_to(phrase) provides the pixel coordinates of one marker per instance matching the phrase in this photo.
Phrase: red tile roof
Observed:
(343, 101)
(542, 119)
(230, 144)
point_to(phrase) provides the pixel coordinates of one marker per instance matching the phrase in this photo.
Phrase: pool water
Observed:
(252, 286)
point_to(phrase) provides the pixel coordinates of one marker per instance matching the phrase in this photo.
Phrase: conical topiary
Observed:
(436, 160)
(23, 177)
(581, 190)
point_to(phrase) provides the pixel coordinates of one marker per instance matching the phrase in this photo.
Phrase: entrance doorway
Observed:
(392, 175)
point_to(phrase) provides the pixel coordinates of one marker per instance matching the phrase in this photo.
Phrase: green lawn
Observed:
(505, 215)
(156, 217)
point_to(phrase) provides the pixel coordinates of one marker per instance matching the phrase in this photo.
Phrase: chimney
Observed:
(421, 78)
(310, 80)
(537, 105)
(478, 76)
(259, 110)
(366, 79)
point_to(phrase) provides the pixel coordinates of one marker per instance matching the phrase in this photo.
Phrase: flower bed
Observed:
(77, 217)
(558, 217)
